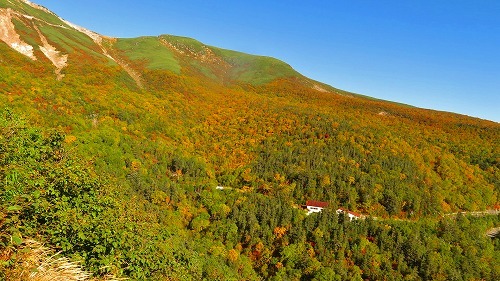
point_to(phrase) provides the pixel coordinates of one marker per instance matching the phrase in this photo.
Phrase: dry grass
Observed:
(38, 263)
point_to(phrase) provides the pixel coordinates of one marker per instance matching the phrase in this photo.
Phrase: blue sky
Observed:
(436, 54)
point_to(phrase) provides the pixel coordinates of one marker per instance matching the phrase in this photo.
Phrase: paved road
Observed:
(493, 232)
(477, 214)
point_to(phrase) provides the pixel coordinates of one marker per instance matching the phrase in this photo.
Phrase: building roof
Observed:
(319, 204)
(350, 212)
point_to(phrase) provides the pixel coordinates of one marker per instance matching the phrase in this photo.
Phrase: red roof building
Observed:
(350, 214)
(315, 206)
(319, 204)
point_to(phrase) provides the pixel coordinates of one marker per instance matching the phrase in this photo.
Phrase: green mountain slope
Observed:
(174, 53)
(126, 140)
(34, 24)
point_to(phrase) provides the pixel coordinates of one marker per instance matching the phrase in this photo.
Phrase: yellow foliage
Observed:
(70, 139)
(233, 255)
(351, 180)
(135, 165)
(279, 231)
(279, 265)
(326, 180)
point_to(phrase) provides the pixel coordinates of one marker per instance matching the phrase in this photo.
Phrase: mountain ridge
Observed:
(12, 38)
(233, 66)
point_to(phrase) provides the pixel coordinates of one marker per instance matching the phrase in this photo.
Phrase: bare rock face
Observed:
(9, 35)
(57, 59)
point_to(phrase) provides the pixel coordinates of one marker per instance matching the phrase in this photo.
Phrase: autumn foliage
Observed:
(123, 177)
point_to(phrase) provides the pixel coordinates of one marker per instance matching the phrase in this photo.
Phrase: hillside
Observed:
(112, 149)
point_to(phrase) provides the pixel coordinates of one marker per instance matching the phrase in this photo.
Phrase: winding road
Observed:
(476, 214)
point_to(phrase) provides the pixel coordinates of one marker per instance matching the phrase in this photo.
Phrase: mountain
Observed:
(112, 148)
(39, 34)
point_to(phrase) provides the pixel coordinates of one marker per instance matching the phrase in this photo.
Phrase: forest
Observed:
(121, 177)
(207, 234)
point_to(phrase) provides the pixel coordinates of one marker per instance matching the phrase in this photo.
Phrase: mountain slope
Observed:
(36, 32)
(172, 53)
(149, 126)
(32, 29)
(186, 91)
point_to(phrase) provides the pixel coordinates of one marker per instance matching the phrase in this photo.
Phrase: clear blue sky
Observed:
(436, 54)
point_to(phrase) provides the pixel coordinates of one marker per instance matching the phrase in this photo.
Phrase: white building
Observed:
(315, 206)
(351, 215)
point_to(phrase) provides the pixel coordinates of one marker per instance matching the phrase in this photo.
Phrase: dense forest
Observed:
(208, 234)
(117, 167)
